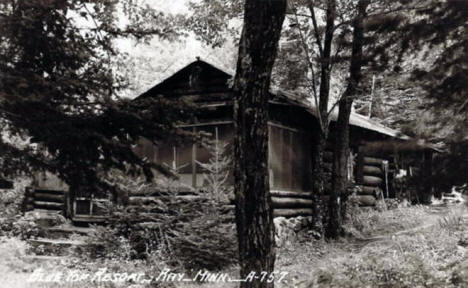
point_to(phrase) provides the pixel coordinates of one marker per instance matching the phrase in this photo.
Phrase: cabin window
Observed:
(288, 156)
(288, 160)
(184, 158)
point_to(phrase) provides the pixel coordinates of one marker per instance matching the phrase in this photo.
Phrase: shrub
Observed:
(11, 199)
(19, 226)
(191, 232)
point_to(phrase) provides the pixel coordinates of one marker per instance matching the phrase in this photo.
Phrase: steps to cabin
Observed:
(57, 237)
(56, 247)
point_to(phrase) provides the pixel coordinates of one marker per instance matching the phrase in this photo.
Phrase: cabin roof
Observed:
(278, 95)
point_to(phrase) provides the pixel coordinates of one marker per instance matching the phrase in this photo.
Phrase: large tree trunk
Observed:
(338, 194)
(254, 215)
(318, 180)
(319, 144)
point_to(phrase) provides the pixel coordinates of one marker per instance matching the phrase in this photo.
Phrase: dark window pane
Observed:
(276, 157)
(166, 155)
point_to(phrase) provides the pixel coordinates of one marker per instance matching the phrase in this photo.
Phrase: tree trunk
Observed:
(318, 181)
(254, 215)
(318, 148)
(338, 194)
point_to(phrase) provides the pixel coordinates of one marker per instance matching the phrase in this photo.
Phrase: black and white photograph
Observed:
(233, 143)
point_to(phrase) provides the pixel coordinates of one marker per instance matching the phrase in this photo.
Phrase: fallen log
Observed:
(292, 212)
(290, 202)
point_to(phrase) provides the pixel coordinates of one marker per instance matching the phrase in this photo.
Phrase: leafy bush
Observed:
(192, 232)
(11, 199)
(22, 227)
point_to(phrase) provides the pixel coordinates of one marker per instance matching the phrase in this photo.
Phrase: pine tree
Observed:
(217, 170)
(60, 78)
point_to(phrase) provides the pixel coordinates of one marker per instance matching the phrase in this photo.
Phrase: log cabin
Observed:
(292, 127)
(376, 151)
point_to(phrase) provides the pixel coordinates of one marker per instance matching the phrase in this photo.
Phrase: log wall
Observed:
(370, 177)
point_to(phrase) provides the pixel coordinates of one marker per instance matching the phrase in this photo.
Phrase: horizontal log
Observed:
(145, 217)
(162, 192)
(371, 180)
(50, 191)
(141, 200)
(48, 205)
(373, 161)
(291, 202)
(369, 190)
(292, 212)
(372, 170)
(366, 200)
(292, 194)
(48, 197)
(145, 209)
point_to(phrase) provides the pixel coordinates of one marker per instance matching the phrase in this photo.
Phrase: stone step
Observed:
(46, 218)
(56, 247)
(66, 231)
(43, 258)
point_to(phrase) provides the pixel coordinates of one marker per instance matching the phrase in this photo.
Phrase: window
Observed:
(289, 158)
(183, 158)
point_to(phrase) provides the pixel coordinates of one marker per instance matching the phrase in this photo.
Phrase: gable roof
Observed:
(289, 97)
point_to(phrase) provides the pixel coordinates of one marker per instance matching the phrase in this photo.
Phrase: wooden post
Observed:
(427, 176)
(194, 161)
(360, 165)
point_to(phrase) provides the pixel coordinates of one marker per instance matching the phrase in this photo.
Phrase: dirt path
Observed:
(435, 215)
(323, 261)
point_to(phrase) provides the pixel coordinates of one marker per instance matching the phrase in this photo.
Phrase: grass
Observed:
(408, 247)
